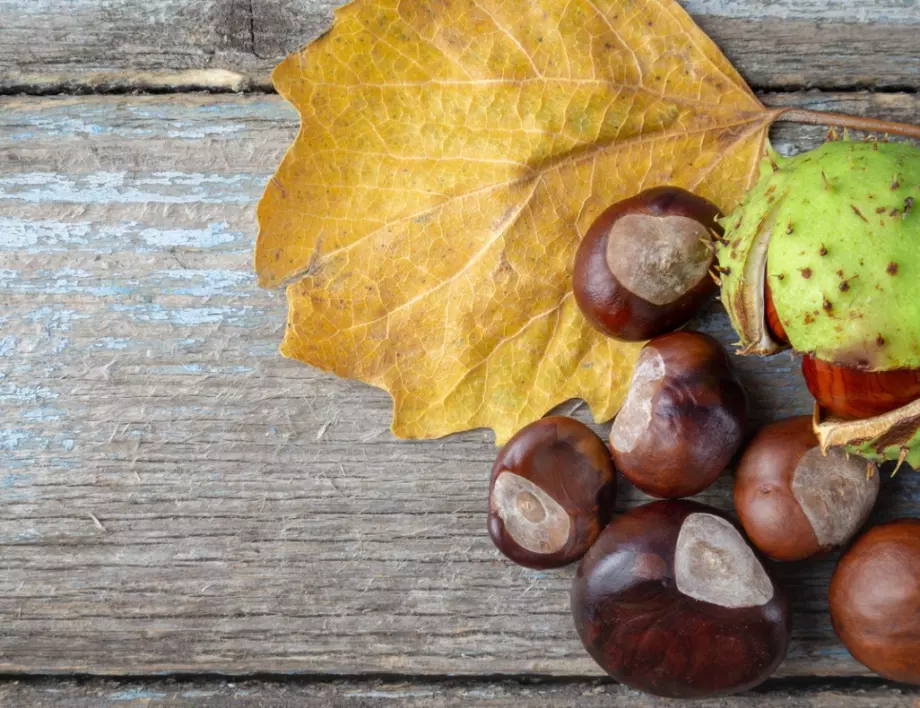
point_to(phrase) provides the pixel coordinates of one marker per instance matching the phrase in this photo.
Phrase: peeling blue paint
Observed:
(55, 319)
(112, 343)
(42, 414)
(10, 438)
(211, 282)
(49, 235)
(239, 316)
(14, 479)
(136, 694)
(25, 394)
(123, 187)
(213, 236)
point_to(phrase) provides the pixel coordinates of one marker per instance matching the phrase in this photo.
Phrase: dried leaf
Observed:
(450, 157)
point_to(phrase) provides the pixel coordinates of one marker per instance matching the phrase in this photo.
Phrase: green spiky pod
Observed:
(836, 234)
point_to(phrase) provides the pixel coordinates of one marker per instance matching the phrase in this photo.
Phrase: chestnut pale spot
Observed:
(636, 413)
(658, 258)
(530, 507)
(834, 493)
(535, 520)
(892, 269)
(713, 563)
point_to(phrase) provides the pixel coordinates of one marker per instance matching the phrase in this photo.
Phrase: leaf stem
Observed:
(871, 125)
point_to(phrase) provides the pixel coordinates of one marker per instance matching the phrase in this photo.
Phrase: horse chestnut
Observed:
(774, 323)
(643, 267)
(875, 600)
(793, 501)
(673, 601)
(850, 393)
(683, 419)
(552, 491)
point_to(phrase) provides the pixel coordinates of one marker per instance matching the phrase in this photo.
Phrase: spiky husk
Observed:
(837, 233)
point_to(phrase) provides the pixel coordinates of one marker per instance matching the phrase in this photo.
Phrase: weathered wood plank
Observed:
(418, 694)
(176, 497)
(86, 45)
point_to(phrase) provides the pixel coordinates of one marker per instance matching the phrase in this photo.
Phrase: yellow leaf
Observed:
(451, 155)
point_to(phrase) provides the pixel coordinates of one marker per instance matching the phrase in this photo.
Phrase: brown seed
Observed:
(552, 492)
(827, 305)
(642, 268)
(822, 251)
(874, 600)
(806, 273)
(844, 286)
(795, 502)
(704, 423)
(672, 581)
(892, 268)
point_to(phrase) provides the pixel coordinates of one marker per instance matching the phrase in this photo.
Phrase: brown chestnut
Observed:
(793, 501)
(643, 267)
(552, 491)
(774, 324)
(851, 393)
(683, 419)
(875, 600)
(673, 601)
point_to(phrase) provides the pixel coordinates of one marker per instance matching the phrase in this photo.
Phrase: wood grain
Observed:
(419, 694)
(228, 45)
(178, 498)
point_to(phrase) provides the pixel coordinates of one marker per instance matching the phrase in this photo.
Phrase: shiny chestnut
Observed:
(793, 501)
(552, 491)
(851, 393)
(775, 325)
(875, 600)
(673, 601)
(643, 267)
(683, 419)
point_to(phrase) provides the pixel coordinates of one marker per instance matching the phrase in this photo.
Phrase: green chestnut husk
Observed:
(836, 234)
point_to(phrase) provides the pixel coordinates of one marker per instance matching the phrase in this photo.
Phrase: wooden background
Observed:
(175, 498)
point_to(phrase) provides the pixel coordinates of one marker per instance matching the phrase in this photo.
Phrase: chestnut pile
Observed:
(675, 598)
